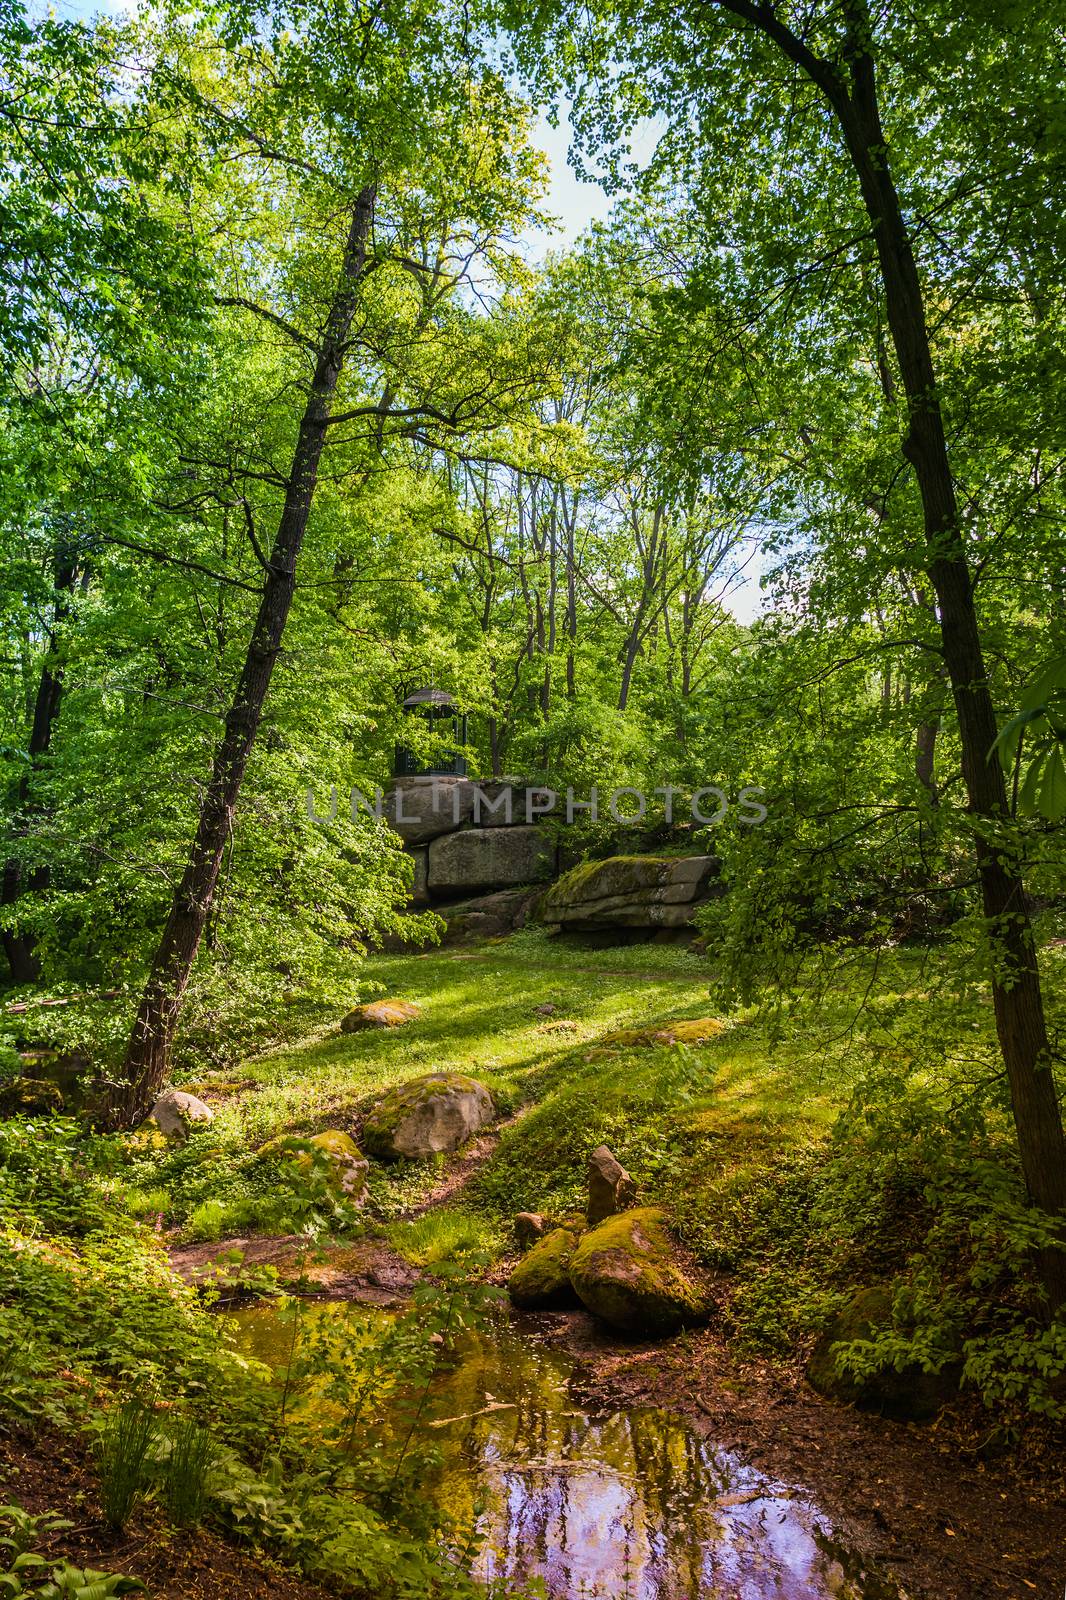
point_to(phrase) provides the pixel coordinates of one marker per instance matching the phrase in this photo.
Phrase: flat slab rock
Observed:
(431, 1115)
(629, 892)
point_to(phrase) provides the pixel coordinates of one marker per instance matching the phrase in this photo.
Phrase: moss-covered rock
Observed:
(626, 1272)
(29, 1096)
(348, 1166)
(684, 1030)
(431, 1115)
(541, 1280)
(907, 1393)
(380, 1014)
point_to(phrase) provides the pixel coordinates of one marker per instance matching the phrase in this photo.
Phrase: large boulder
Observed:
(176, 1113)
(488, 858)
(429, 1116)
(908, 1393)
(629, 892)
(611, 1189)
(380, 1014)
(625, 1271)
(30, 1097)
(490, 916)
(419, 809)
(347, 1169)
(541, 1280)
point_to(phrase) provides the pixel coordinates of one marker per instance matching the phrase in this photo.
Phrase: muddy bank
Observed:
(367, 1271)
(946, 1525)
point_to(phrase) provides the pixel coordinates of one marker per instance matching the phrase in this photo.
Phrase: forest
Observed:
(533, 765)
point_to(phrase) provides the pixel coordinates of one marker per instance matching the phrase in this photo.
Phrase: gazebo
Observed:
(437, 709)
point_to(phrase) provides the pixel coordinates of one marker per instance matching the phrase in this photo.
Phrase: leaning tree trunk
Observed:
(1019, 1009)
(148, 1053)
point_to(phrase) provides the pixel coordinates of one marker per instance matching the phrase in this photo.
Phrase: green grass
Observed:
(855, 1132)
(678, 1116)
(445, 1235)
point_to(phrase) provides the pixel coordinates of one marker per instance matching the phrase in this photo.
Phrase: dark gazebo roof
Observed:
(428, 697)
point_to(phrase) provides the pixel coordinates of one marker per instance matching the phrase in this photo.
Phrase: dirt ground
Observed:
(50, 1473)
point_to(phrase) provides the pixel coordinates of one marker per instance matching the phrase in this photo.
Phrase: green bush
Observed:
(122, 1450)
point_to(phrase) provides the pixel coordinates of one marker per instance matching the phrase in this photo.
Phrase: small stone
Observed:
(611, 1189)
(175, 1113)
(529, 1226)
(380, 1014)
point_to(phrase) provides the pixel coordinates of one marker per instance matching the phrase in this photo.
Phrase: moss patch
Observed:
(541, 1280)
(686, 1030)
(625, 1271)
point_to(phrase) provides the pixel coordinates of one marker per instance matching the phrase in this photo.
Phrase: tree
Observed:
(703, 65)
(377, 126)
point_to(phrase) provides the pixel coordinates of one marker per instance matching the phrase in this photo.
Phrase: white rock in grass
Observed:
(175, 1112)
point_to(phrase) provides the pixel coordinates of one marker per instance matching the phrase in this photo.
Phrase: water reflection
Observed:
(631, 1506)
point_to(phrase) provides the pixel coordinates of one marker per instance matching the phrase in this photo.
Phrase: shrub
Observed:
(185, 1471)
(122, 1451)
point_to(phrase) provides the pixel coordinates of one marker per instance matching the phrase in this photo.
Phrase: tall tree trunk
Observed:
(148, 1053)
(1019, 1010)
(19, 944)
(925, 759)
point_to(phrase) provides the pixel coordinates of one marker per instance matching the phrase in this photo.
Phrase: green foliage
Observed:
(123, 1445)
(1042, 719)
(191, 1455)
(84, 1583)
(446, 1235)
(25, 1567)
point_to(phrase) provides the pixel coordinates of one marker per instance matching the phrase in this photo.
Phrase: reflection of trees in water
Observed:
(622, 1507)
(625, 1502)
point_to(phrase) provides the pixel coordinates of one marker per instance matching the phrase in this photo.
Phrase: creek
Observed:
(630, 1504)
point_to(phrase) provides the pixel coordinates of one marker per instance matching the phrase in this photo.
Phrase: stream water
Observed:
(625, 1505)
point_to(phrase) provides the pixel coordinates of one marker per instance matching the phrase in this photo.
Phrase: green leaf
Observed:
(1050, 678)
(1009, 737)
(1052, 801)
(1028, 799)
